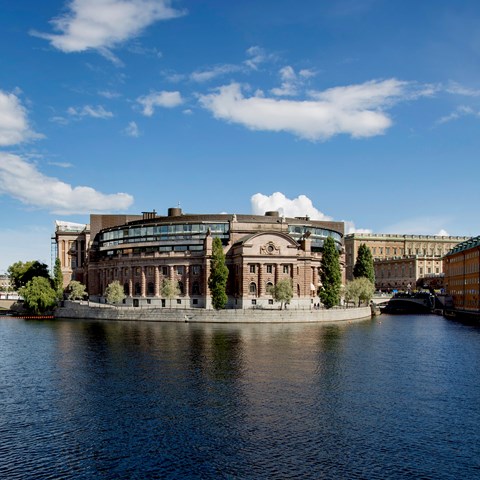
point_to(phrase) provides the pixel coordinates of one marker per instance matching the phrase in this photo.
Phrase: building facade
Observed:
(400, 261)
(259, 249)
(462, 276)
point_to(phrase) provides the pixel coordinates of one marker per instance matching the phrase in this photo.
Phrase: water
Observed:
(392, 398)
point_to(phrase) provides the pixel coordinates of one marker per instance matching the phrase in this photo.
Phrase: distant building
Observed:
(400, 261)
(142, 251)
(5, 284)
(462, 276)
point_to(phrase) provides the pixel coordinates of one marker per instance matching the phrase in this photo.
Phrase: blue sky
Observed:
(364, 111)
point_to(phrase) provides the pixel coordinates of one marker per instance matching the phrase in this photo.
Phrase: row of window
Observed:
(164, 270)
(150, 289)
(253, 267)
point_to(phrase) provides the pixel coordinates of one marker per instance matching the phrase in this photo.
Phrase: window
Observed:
(252, 268)
(150, 288)
(178, 301)
(269, 287)
(286, 269)
(164, 271)
(180, 287)
(195, 301)
(196, 270)
(180, 269)
(253, 288)
(126, 289)
(195, 288)
(269, 268)
(270, 301)
(138, 289)
(254, 302)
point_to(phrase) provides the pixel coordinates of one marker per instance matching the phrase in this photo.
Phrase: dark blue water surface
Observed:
(394, 397)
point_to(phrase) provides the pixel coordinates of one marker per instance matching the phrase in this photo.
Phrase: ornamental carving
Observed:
(270, 249)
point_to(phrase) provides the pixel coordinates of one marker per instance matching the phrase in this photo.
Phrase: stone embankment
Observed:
(74, 310)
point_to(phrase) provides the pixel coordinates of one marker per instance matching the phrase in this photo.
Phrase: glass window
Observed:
(253, 288)
(252, 268)
(269, 268)
(180, 269)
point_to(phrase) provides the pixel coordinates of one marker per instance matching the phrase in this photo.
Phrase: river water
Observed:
(390, 398)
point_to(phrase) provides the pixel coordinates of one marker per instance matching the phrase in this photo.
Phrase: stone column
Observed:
(157, 280)
(186, 285)
(143, 282)
(261, 279)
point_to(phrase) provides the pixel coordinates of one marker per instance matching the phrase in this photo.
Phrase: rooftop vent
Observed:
(174, 212)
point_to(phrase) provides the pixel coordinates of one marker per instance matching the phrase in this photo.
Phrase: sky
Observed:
(362, 111)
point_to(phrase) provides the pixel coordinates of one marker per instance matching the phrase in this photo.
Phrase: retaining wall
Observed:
(81, 311)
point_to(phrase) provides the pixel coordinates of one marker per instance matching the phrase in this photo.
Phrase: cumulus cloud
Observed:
(298, 207)
(351, 228)
(357, 110)
(90, 111)
(132, 130)
(22, 180)
(14, 126)
(159, 99)
(256, 56)
(104, 24)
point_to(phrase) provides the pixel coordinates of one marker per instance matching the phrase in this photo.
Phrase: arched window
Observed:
(150, 288)
(180, 288)
(126, 289)
(253, 288)
(269, 288)
(195, 288)
(138, 289)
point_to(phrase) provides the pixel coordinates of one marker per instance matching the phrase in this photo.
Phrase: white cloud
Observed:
(217, 71)
(89, 111)
(103, 24)
(442, 233)
(355, 110)
(109, 94)
(459, 112)
(298, 207)
(14, 126)
(132, 130)
(457, 89)
(350, 228)
(256, 56)
(159, 99)
(61, 164)
(22, 180)
(289, 83)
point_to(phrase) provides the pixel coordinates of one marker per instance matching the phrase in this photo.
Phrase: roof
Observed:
(473, 242)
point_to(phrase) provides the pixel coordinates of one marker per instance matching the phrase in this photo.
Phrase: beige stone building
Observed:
(400, 260)
(142, 251)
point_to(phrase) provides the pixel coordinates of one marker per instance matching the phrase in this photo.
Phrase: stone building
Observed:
(260, 250)
(462, 276)
(400, 260)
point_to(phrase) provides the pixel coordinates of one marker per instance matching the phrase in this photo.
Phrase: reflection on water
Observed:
(395, 397)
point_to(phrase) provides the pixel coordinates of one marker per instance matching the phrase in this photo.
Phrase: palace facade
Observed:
(143, 251)
(400, 261)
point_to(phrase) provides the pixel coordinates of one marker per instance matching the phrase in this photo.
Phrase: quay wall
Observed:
(74, 310)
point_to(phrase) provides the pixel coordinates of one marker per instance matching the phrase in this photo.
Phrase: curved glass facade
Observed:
(317, 235)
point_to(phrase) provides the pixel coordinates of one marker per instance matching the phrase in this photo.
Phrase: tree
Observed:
(38, 295)
(330, 274)
(58, 278)
(21, 273)
(217, 281)
(282, 291)
(364, 264)
(170, 289)
(76, 290)
(359, 290)
(114, 292)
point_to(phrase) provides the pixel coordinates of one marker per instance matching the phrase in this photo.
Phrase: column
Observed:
(143, 282)
(157, 280)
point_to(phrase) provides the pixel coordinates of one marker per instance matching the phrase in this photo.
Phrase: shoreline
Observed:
(74, 310)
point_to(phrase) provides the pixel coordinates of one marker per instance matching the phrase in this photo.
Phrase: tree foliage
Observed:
(114, 292)
(364, 264)
(21, 273)
(217, 281)
(330, 274)
(58, 278)
(38, 295)
(359, 290)
(170, 289)
(76, 290)
(282, 291)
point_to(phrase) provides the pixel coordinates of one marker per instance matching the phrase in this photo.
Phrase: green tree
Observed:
(38, 295)
(170, 289)
(217, 281)
(364, 264)
(283, 291)
(58, 278)
(114, 292)
(21, 273)
(330, 274)
(359, 290)
(76, 290)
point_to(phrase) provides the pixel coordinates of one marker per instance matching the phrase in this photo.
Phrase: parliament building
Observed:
(141, 251)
